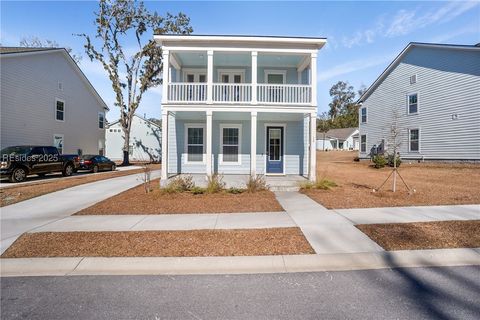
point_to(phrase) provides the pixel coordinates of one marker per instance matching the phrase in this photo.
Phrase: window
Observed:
(59, 110)
(230, 144)
(364, 115)
(195, 142)
(413, 79)
(101, 120)
(414, 140)
(412, 103)
(58, 142)
(363, 143)
(130, 150)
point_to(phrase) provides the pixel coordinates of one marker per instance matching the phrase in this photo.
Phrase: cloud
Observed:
(353, 66)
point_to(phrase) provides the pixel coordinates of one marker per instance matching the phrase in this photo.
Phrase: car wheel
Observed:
(18, 175)
(114, 167)
(68, 170)
(95, 169)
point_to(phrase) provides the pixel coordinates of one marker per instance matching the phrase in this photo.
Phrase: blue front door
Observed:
(274, 149)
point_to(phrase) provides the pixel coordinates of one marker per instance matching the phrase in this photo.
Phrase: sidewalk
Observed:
(27, 215)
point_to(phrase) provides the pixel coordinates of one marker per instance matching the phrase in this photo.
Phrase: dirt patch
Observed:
(20, 193)
(241, 242)
(435, 183)
(424, 235)
(136, 201)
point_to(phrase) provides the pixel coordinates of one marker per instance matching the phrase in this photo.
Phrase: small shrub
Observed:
(235, 190)
(215, 184)
(325, 184)
(179, 184)
(198, 190)
(356, 159)
(379, 161)
(397, 159)
(256, 183)
(307, 185)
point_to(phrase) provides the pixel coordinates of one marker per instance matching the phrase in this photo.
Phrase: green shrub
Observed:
(397, 159)
(325, 184)
(198, 190)
(235, 190)
(215, 184)
(379, 161)
(179, 184)
(256, 183)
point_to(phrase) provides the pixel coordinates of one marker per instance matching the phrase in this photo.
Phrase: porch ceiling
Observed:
(221, 115)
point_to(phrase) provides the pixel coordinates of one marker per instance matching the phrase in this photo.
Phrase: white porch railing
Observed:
(240, 93)
(232, 92)
(284, 93)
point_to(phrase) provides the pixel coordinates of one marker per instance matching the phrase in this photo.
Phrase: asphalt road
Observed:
(409, 293)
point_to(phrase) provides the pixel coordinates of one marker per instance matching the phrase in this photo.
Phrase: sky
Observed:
(363, 37)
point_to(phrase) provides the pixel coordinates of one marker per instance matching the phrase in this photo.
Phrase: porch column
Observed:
(209, 143)
(313, 149)
(164, 175)
(166, 73)
(313, 77)
(254, 77)
(209, 77)
(253, 143)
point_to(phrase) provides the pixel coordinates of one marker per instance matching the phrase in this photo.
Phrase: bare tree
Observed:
(35, 42)
(131, 75)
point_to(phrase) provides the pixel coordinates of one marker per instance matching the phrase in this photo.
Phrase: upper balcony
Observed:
(239, 70)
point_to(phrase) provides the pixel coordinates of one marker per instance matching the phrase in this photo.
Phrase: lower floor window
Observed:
(195, 139)
(58, 142)
(230, 136)
(363, 143)
(414, 140)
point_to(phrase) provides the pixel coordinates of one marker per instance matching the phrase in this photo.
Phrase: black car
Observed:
(96, 163)
(18, 162)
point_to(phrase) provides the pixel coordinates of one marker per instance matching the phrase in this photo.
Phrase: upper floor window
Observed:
(230, 143)
(414, 139)
(363, 143)
(412, 103)
(364, 114)
(195, 143)
(413, 79)
(59, 110)
(101, 120)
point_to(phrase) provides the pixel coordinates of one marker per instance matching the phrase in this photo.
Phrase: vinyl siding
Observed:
(448, 83)
(28, 92)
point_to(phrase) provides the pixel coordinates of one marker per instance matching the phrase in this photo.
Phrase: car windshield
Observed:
(15, 150)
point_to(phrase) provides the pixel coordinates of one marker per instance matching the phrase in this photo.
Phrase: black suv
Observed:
(20, 161)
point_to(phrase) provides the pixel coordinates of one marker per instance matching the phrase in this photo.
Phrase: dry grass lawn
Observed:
(435, 183)
(136, 201)
(241, 242)
(20, 193)
(424, 235)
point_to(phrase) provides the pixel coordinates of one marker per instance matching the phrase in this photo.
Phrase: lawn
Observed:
(20, 193)
(240, 242)
(424, 235)
(136, 201)
(435, 183)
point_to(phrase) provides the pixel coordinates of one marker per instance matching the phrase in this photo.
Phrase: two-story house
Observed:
(47, 100)
(241, 105)
(430, 96)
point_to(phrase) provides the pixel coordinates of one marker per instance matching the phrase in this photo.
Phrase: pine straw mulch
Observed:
(136, 201)
(14, 194)
(435, 183)
(240, 242)
(424, 235)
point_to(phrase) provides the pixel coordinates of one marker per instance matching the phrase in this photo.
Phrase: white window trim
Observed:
(185, 154)
(63, 141)
(366, 143)
(196, 74)
(409, 140)
(268, 72)
(220, 154)
(284, 125)
(231, 72)
(408, 103)
(366, 115)
(416, 79)
(64, 109)
(98, 120)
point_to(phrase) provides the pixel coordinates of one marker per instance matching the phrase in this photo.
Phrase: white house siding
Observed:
(448, 83)
(29, 87)
(145, 140)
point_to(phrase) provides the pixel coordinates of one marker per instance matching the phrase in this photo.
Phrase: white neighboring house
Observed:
(47, 100)
(432, 93)
(145, 140)
(338, 139)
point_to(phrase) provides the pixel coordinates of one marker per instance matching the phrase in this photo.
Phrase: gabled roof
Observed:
(341, 134)
(136, 115)
(19, 51)
(402, 54)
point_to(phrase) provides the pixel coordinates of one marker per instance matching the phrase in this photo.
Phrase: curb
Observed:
(237, 265)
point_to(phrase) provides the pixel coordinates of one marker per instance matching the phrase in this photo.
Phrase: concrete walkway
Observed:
(30, 214)
(327, 231)
(411, 214)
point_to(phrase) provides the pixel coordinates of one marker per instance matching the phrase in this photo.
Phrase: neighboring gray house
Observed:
(431, 94)
(47, 100)
(145, 140)
(338, 139)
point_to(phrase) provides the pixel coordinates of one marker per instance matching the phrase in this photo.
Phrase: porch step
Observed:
(284, 188)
